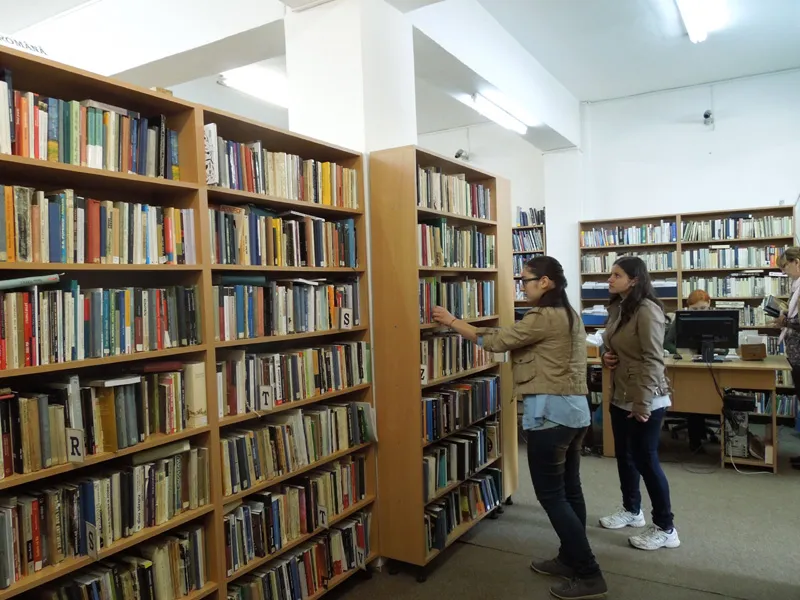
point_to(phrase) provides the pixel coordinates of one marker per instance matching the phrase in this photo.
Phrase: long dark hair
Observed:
(642, 290)
(547, 266)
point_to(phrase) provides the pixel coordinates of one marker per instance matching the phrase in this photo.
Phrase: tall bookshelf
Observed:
(396, 271)
(526, 255)
(51, 79)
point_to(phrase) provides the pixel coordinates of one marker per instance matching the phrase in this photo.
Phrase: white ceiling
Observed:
(603, 49)
(17, 15)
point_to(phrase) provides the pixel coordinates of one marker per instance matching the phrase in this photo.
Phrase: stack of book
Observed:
(44, 527)
(457, 458)
(251, 235)
(749, 316)
(466, 299)
(459, 405)
(446, 354)
(533, 216)
(452, 193)
(248, 382)
(280, 307)
(600, 237)
(470, 501)
(251, 168)
(281, 446)
(739, 285)
(307, 571)
(786, 405)
(655, 261)
(527, 240)
(443, 245)
(63, 227)
(86, 133)
(726, 257)
(266, 522)
(43, 327)
(734, 228)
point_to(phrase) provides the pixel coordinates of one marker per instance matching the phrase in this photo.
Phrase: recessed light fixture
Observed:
(490, 110)
(260, 82)
(702, 16)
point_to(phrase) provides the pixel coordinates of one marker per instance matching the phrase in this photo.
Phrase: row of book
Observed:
(459, 405)
(63, 227)
(458, 457)
(266, 522)
(738, 286)
(256, 382)
(749, 315)
(655, 261)
(443, 245)
(257, 309)
(784, 379)
(467, 299)
(786, 405)
(291, 440)
(252, 168)
(731, 258)
(445, 354)
(531, 216)
(306, 572)
(109, 414)
(170, 567)
(41, 327)
(86, 133)
(527, 240)
(251, 235)
(735, 228)
(452, 193)
(469, 502)
(44, 527)
(599, 237)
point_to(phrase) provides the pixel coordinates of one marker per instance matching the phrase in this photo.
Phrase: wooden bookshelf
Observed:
(51, 79)
(396, 304)
(521, 302)
(681, 270)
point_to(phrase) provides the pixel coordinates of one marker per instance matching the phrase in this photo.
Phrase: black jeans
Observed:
(554, 457)
(637, 454)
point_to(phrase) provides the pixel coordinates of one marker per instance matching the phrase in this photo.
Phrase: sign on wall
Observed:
(11, 42)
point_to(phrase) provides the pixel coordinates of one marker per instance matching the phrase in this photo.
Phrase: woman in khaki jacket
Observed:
(634, 340)
(548, 350)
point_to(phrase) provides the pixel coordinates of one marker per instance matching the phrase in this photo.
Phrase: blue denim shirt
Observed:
(542, 411)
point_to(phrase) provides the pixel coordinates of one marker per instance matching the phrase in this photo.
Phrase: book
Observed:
(467, 299)
(452, 193)
(443, 245)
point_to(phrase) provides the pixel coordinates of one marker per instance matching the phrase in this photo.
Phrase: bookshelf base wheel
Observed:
(422, 575)
(509, 501)
(393, 568)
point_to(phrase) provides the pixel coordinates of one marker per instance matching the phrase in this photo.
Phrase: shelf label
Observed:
(75, 449)
(265, 392)
(91, 540)
(345, 318)
(423, 373)
(322, 513)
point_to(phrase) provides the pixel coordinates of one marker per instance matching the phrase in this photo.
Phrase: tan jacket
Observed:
(639, 376)
(546, 359)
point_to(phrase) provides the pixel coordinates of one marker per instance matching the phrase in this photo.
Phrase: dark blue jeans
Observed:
(554, 457)
(637, 455)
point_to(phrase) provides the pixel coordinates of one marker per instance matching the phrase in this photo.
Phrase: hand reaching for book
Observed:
(443, 316)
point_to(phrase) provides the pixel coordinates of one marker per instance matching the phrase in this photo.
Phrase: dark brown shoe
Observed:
(581, 589)
(553, 567)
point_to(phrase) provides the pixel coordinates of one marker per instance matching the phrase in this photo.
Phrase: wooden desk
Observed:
(694, 391)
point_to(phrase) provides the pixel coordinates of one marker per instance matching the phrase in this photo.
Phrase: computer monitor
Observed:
(704, 330)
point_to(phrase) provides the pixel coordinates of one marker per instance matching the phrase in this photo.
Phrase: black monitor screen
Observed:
(698, 328)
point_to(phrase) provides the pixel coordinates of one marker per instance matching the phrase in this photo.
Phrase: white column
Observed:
(350, 65)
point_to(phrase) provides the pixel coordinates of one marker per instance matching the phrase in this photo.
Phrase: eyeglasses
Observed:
(529, 279)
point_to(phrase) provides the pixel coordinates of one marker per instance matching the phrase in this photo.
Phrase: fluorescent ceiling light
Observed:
(491, 111)
(509, 105)
(260, 82)
(702, 16)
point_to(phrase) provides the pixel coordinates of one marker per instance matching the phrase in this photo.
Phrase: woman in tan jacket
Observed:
(634, 340)
(548, 350)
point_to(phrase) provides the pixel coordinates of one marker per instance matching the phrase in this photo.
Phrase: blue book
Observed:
(174, 171)
(135, 145)
(54, 229)
(87, 513)
(350, 243)
(106, 323)
(248, 530)
(239, 294)
(62, 222)
(75, 288)
(52, 128)
(130, 414)
(143, 125)
(122, 417)
(429, 419)
(276, 521)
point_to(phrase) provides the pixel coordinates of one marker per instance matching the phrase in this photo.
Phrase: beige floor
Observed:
(740, 540)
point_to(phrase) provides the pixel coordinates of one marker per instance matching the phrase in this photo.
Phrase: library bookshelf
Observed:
(690, 259)
(527, 255)
(395, 219)
(190, 192)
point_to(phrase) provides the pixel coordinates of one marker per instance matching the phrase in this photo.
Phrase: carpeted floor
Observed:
(740, 539)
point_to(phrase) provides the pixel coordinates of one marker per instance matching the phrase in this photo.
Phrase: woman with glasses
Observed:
(548, 350)
(789, 321)
(697, 300)
(634, 339)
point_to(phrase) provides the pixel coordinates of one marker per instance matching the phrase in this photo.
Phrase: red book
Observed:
(248, 166)
(92, 231)
(159, 322)
(6, 397)
(309, 574)
(28, 326)
(36, 535)
(164, 318)
(3, 356)
(169, 235)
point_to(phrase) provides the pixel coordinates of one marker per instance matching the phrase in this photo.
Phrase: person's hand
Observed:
(638, 417)
(443, 316)
(610, 359)
(781, 321)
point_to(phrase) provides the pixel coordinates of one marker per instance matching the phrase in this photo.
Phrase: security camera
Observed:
(462, 154)
(708, 118)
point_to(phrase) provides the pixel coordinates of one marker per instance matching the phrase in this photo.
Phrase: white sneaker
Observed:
(654, 538)
(623, 518)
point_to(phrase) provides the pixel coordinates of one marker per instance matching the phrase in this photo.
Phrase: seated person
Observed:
(696, 424)
(697, 300)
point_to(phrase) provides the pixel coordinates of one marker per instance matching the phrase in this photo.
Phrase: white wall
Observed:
(207, 91)
(499, 151)
(652, 154)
